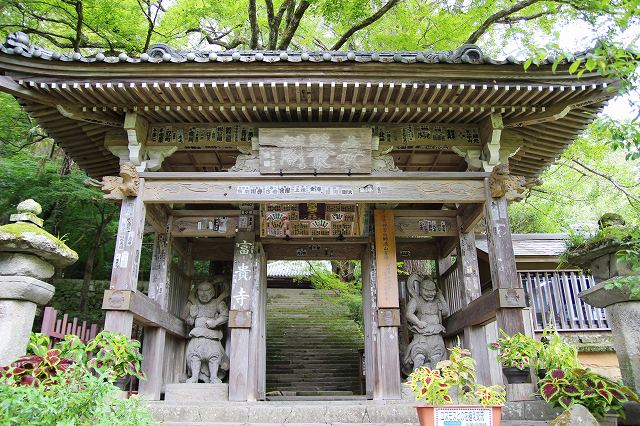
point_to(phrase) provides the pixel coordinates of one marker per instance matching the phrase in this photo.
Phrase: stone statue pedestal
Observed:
(196, 392)
(19, 297)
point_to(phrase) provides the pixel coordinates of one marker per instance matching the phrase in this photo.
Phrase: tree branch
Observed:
(514, 19)
(253, 23)
(365, 23)
(293, 25)
(275, 21)
(630, 197)
(497, 17)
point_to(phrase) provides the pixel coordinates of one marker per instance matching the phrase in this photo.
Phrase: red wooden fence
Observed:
(58, 328)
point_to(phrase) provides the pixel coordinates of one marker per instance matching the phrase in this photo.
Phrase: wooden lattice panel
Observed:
(311, 220)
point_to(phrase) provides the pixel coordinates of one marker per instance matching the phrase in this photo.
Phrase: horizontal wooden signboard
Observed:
(417, 227)
(315, 150)
(204, 226)
(315, 189)
(217, 135)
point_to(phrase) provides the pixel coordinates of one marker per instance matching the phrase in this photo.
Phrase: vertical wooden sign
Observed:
(386, 259)
(240, 314)
(126, 259)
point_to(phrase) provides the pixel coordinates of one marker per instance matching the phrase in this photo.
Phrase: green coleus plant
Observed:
(517, 351)
(600, 395)
(454, 377)
(115, 355)
(555, 353)
(36, 370)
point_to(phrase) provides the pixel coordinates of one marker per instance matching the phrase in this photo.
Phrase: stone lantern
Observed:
(28, 255)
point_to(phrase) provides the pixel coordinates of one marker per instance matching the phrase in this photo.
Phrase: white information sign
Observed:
(463, 416)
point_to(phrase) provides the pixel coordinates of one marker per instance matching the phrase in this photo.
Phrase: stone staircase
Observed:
(312, 346)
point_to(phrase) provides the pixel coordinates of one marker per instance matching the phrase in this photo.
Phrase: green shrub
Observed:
(59, 386)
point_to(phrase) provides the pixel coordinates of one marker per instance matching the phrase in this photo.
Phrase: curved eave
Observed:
(302, 92)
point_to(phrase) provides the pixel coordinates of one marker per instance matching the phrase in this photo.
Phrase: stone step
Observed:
(292, 412)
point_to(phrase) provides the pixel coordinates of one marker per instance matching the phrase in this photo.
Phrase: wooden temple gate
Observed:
(426, 144)
(397, 234)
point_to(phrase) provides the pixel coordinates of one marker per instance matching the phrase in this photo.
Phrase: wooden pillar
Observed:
(370, 316)
(388, 302)
(126, 259)
(474, 336)
(502, 261)
(256, 376)
(505, 280)
(242, 292)
(153, 346)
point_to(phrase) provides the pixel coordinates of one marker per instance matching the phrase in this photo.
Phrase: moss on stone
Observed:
(18, 234)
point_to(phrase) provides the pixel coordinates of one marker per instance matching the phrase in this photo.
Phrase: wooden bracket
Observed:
(137, 128)
(490, 134)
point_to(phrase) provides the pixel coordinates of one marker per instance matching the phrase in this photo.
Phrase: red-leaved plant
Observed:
(36, 370)
(600, 395)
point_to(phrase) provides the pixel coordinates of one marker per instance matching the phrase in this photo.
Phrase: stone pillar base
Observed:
(19, 297)
(196, 392)
(16, 320)
(624, 320)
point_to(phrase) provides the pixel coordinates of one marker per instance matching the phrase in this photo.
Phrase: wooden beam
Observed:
(485, 308)
(425, 226)
(416, 250)
(144, 310)
(313, 250)
(391, 188)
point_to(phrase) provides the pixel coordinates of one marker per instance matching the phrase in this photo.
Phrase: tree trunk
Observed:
(90, 263)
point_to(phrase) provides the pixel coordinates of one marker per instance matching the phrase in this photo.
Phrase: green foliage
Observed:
(622, 135)
(455, 376)
(75, 398)
(345, 293)
(115, 355)
(59, 387)
(565, 387)
(632, 284)
(517, 351)
(573, 196)
(555, 353)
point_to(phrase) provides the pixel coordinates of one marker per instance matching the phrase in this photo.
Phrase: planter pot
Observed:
(515, 376)
(433, 415)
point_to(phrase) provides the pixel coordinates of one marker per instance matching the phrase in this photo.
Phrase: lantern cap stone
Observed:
(29, 206)
(28, 211)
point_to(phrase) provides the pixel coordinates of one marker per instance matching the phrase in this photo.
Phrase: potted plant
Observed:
(554, 353)
(451, 390)
(600, 395)
(116, 356)
(516, 354)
